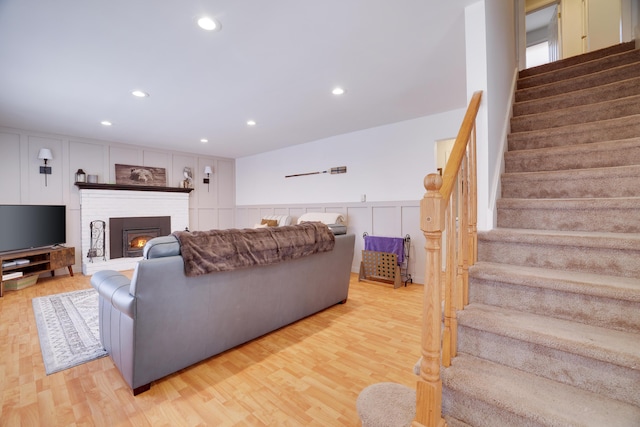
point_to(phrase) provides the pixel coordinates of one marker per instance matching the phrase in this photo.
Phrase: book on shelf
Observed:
(14, 275)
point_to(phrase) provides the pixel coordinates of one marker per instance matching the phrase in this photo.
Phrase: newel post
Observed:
(429, 387)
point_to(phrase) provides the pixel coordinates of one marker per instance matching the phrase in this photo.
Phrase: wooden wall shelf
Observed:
(128, 187)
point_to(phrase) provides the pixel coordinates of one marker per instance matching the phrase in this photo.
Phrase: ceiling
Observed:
(67, 65)
(540, 18)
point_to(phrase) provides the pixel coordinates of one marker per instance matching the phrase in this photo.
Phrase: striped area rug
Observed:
(68, 329)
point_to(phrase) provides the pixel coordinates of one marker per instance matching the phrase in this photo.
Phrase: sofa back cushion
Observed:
(163, 246)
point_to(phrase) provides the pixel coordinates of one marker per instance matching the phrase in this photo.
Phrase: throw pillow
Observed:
(270, 222)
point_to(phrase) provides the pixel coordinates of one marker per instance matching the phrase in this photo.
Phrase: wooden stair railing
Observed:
(449, 207)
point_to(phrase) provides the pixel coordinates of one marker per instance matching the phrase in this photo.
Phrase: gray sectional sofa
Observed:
(162, 321)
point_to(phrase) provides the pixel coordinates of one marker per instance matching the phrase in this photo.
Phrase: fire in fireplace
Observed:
(134, 239)
(129, 235)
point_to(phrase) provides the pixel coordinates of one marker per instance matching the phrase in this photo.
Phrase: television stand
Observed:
(34, 262)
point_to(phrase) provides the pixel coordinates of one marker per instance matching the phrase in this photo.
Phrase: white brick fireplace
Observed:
(104, 204)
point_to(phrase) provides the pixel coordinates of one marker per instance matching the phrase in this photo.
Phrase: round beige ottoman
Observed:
(386, 405)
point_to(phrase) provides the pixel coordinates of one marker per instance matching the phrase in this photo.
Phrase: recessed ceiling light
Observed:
(106, 123)
(139, 94)
(209, 24)
(251, 123)
(204, 140)
(338, 91)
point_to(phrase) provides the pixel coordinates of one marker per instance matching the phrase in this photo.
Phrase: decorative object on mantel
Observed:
(97, 248)
(332, 171)
(81, 176)
(188, 178)
(92, 179)
(45, 154)
(141, 175)
(207, 172)
(102, 186)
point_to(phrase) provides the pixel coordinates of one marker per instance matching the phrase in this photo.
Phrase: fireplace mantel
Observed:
(94, 186)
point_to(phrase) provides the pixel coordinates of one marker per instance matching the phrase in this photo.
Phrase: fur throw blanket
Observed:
(223, 250)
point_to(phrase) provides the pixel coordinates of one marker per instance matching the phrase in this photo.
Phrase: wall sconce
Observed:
(45, 154)
(207, 172)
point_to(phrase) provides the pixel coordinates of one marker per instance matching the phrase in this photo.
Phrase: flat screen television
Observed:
(31, 226)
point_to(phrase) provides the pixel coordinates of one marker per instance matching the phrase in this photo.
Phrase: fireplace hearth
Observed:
(128, 235)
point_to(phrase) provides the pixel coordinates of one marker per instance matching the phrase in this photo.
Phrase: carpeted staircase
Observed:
(551, 336)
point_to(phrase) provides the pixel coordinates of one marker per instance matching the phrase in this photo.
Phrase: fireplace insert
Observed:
(134, 239)
(128, 235)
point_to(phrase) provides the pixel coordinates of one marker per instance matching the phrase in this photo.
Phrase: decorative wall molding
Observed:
(391, 219)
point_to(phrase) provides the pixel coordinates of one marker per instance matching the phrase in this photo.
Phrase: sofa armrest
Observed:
(114, 287)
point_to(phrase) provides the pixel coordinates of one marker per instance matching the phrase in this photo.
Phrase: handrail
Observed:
(454, 213)
(460, 146)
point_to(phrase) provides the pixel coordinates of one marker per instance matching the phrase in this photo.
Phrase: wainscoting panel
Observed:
(226, 182)
(359, 220)
(264, 212)
(46, 189)
(10, 162)
(247, 218)
(393, 219)
(387, 221)
(411, 226)
(207, 220)
(281, 211)
(225, 218)
(296, 213)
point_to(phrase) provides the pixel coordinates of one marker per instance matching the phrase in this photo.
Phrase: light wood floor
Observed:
(306, 374)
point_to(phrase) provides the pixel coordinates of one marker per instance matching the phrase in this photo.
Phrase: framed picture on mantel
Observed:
(141, 175)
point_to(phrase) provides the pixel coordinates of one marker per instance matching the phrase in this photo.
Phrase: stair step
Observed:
(588, 357)
(453, 422)
(623, 152)
(578, 59)
(613, 109)
(622, 214)
(603, 77)
(618, 181)
(482, 393)
(616, 254)
(587, 96)
(599, 300)
(580, 70)
(616, 347)
(584, 133)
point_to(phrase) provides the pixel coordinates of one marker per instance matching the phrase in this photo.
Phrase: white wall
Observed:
(387, 163)
(492, 68)
(384, 163)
